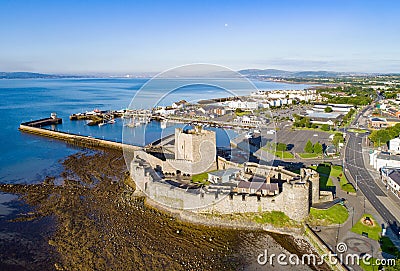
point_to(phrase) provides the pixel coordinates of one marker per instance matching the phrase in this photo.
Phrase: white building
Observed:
(164, 111)
(335, 107)
(391, 177)
(379, 160)
(394, 145)
(301, 95)
(180, 104)
(245, 105)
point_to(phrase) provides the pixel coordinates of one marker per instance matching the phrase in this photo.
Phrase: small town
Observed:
(200, 135)
(327, 157)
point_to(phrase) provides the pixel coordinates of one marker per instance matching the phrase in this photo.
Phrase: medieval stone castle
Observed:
(164, 177)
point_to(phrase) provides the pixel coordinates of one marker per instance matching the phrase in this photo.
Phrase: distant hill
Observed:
(289, 74)
(30, 75)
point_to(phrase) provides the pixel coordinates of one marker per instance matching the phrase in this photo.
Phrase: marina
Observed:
(72, 139)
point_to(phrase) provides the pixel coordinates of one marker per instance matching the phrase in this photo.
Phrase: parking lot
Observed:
(297, 139)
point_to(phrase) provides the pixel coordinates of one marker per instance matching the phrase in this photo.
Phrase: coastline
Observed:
(292, 235)
(106, 199)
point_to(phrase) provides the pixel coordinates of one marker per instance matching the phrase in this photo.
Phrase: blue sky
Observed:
(150, 36)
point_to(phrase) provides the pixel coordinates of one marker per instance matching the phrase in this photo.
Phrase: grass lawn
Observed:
(280, 154)
(309, 155)
(337, 214)
(201, 178)
(369, 267)
(360, 131)
(388, 246)
(337, 172)
(240, 114)
(324, 171)
(275, 218)
(374, 232)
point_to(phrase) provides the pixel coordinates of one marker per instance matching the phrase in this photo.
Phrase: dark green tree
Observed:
(325, 127)
(281, 147)
(309, 147)
(318, 148)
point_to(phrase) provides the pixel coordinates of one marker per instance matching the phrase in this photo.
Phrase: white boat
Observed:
(111, 121)
(102, 124)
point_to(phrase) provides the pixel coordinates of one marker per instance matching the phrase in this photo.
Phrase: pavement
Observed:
(362, 179)
(383, 208)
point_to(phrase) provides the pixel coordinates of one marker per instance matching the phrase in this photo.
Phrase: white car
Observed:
(315, 134)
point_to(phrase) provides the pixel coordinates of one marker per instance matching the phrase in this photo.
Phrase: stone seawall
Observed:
(215, 221)
(79, 140)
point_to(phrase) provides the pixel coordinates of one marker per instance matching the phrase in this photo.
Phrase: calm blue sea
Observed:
(27, 158)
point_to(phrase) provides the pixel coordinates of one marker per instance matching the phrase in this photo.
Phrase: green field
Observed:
(360, 131)
(309, 155)
(337, 214)
(201, 178)
(374, 232)
(388, 246)
(240, 114)
(328, 172)
(324, 171)
(370, 266)
(275, 218)
(337, 172)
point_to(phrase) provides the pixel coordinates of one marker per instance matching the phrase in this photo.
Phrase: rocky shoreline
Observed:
(99, 224)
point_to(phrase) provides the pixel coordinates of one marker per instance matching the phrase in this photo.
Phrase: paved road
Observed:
(354, 162)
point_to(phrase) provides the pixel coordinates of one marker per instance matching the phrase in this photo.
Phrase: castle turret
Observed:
(296, 200)
(312, 177)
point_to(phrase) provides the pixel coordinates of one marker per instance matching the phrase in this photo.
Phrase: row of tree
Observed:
(382, 136)
(348, 116)
(355, 95)
(316, 148)
(305, 122)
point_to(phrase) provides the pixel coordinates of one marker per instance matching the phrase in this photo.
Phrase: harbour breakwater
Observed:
(32, 127)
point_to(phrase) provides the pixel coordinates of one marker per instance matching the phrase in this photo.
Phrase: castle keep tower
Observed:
(190, 145)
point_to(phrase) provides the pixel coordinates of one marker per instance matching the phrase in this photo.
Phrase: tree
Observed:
(325, 127)
(337, 138)
(309, 147)
(328, 109)
(281, 147)
(318, 148)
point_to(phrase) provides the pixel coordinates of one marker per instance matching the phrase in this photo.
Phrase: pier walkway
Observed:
(74, 139)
